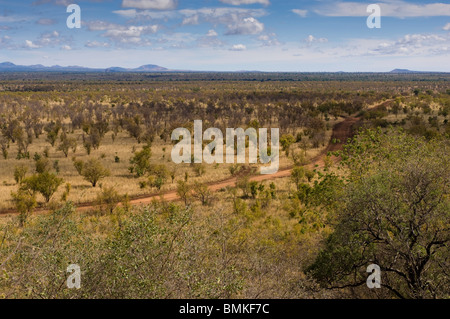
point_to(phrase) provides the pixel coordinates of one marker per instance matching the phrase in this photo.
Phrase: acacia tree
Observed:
(184, 191)
(158, 176)
(25, 202)
(286, 141)
(52, 130)
(202, 193)
(108, 199)
(92, 171)
(140, 162)
(19, 173)
(66, 144)
(394, 213)
(44, 183)
(298, 176)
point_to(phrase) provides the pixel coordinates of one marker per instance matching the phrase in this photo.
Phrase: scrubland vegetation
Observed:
(101, 142)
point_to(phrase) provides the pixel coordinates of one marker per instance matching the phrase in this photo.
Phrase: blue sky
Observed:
(229, 35)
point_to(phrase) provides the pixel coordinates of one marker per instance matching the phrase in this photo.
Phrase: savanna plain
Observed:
(87, 178)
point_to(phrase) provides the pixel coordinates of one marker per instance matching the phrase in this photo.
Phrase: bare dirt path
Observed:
(342, 131)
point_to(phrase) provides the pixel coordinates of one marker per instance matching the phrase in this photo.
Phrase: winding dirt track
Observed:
(342, 131)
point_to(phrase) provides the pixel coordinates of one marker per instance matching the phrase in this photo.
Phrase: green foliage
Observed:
(108, 199)
(93, 171)
(202, 193)
(272, 190)
(158, 176)
(254, 187)
(183, 191)
(394, 212)
(42, 165)
(199, 169)
(56, 166)
(156, 182)
(44, 183)
(241, 246)
(79, 165)
(234, 169)
(297, 176)
(24, 202)
(66, 144)
(243, 183)
(299, 158)
(140, 162)
(19, 173)
(66, 192)
(286, 141)
(52, 130)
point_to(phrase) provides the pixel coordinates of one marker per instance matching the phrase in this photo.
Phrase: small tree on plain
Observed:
(44, 183)
(93, 171)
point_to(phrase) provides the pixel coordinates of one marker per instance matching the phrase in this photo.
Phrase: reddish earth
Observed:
(341, 133)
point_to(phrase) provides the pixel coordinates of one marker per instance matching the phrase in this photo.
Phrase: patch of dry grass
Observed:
(121, 179)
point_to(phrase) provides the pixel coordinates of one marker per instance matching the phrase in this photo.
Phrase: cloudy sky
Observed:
(229, 35)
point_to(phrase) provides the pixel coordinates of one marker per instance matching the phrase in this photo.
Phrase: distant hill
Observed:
(152, 68)
(142, 69)
(11, 67)
(404, 71)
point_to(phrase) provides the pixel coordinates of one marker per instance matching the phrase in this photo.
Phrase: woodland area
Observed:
(364, 180)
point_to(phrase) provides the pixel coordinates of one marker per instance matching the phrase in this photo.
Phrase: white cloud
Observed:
(29, 44)
(241, 2)
(349, 56)
(123, 34)
(211, 15)
(269, 39)
(311, 39)
(130, 31)
(192, 20)
(389, 8)
(96, 44)
(238, 47)
(446, 27)
(150, 4)
(55, 2)
(414, 44)
(212, 33)
(220, 12)
(146, 14)
(301, 13)
(66, 47)
(102, 25)
(236, 20)
(49, 39)
(211, 39)
(245, 26)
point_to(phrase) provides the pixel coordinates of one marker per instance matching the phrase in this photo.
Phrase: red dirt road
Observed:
(341, 133)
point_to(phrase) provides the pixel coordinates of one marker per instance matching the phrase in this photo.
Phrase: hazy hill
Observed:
(11, 67)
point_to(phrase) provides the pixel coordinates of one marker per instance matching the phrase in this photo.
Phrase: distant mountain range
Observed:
(405, 71)
(149, 68)
(11, 67)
